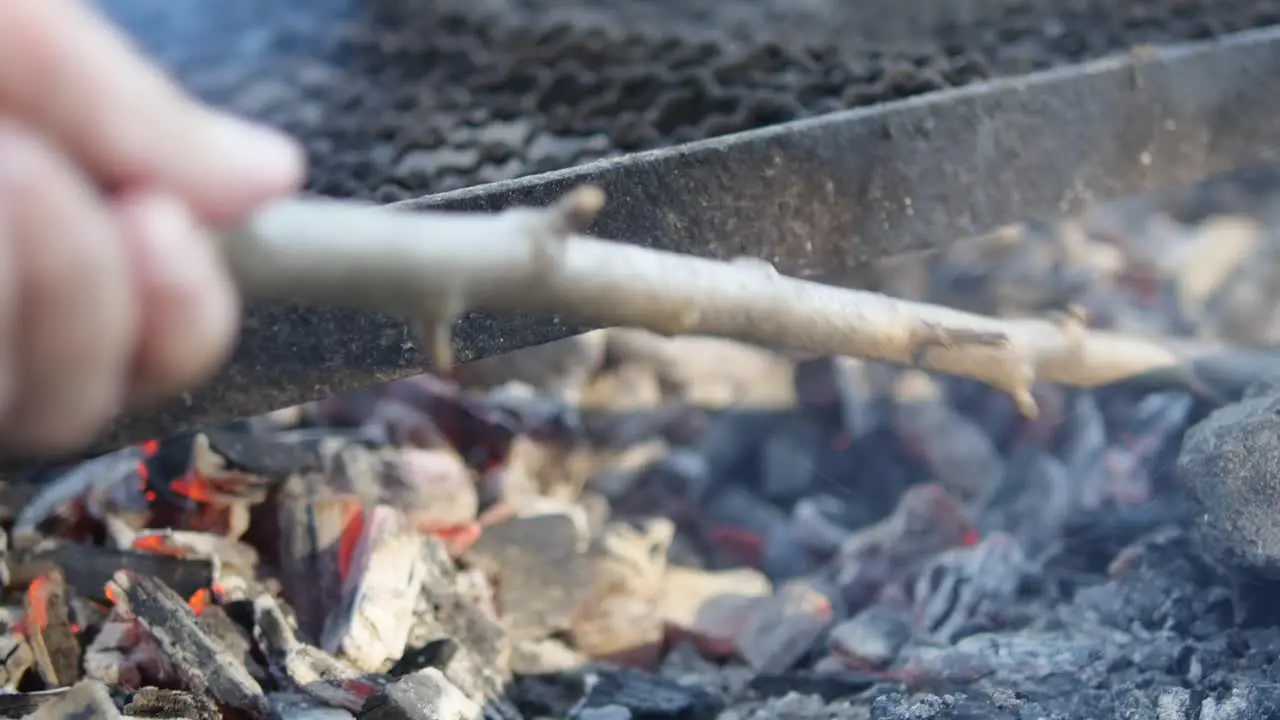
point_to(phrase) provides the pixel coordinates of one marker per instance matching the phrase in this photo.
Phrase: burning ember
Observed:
(626, 526)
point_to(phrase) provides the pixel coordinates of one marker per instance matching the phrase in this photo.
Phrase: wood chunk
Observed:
(870, 640)
(424, 695)
(86, 700)
(231, 555)
(434, 487)
(92, 477)
(308, 668)
(124, 654)
(380, 592)
(205, 664)
(479, 663)
(47, 626)
(711, 607)
(151, 702)
(445, 610)
(215, 621)
(620, 618)
(88, 568)
(16, 658)
(540, 569)
(313, 532)
(783, 628)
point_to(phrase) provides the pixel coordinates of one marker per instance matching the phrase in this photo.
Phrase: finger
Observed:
(189, 308)
(66, 70)
(76, 318)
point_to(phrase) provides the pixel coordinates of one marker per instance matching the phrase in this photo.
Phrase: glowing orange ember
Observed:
(158, 545)
(200, 600)
(193, 485)
(38, 601)
(352, 529)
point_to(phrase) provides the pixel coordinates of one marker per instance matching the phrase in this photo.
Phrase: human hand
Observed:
(111, 291)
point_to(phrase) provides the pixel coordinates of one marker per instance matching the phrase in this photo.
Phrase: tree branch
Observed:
(431, 267)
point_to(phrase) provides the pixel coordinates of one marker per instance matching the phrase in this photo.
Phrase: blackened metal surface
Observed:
(826, 194)
(396, 99)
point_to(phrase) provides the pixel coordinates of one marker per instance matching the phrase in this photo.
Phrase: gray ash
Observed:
(397, 99)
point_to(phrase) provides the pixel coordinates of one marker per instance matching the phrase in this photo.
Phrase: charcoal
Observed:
(823, 522)
(85, 699)
(957, 453)
(711, 608)
(424, 695)
(88, 568)
(837, 389)
(1084, 448)
(47, 627)
(1160, 582)
(540, 657)
(16, 657)
(1033, 501)
(231, 555)
(371, 627)
(297, 706)
(786, 467)
(123, 654)
(871, 639)
(647, 697)
(153, 702)
(305, 667)
(608, 712)
(316, 535)
(1092, 538)
(206, 665)
(783, 628)
(478, 662)
(1227, 468)
(619, 618)
(927, 520)
(113, 472)
(541, 569)
(1036, 665)
(964, 590)
(231, 635)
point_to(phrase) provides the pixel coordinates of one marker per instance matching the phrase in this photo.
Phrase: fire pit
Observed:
(621, 525)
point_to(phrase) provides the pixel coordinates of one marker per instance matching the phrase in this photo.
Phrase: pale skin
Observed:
(112, 294)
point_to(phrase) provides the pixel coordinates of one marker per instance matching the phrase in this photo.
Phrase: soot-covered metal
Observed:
(381, 90)
(396, 99)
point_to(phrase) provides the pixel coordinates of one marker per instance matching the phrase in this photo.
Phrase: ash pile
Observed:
(626, 526)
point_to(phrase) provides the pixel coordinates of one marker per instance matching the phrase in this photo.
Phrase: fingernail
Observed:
(273, 159)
